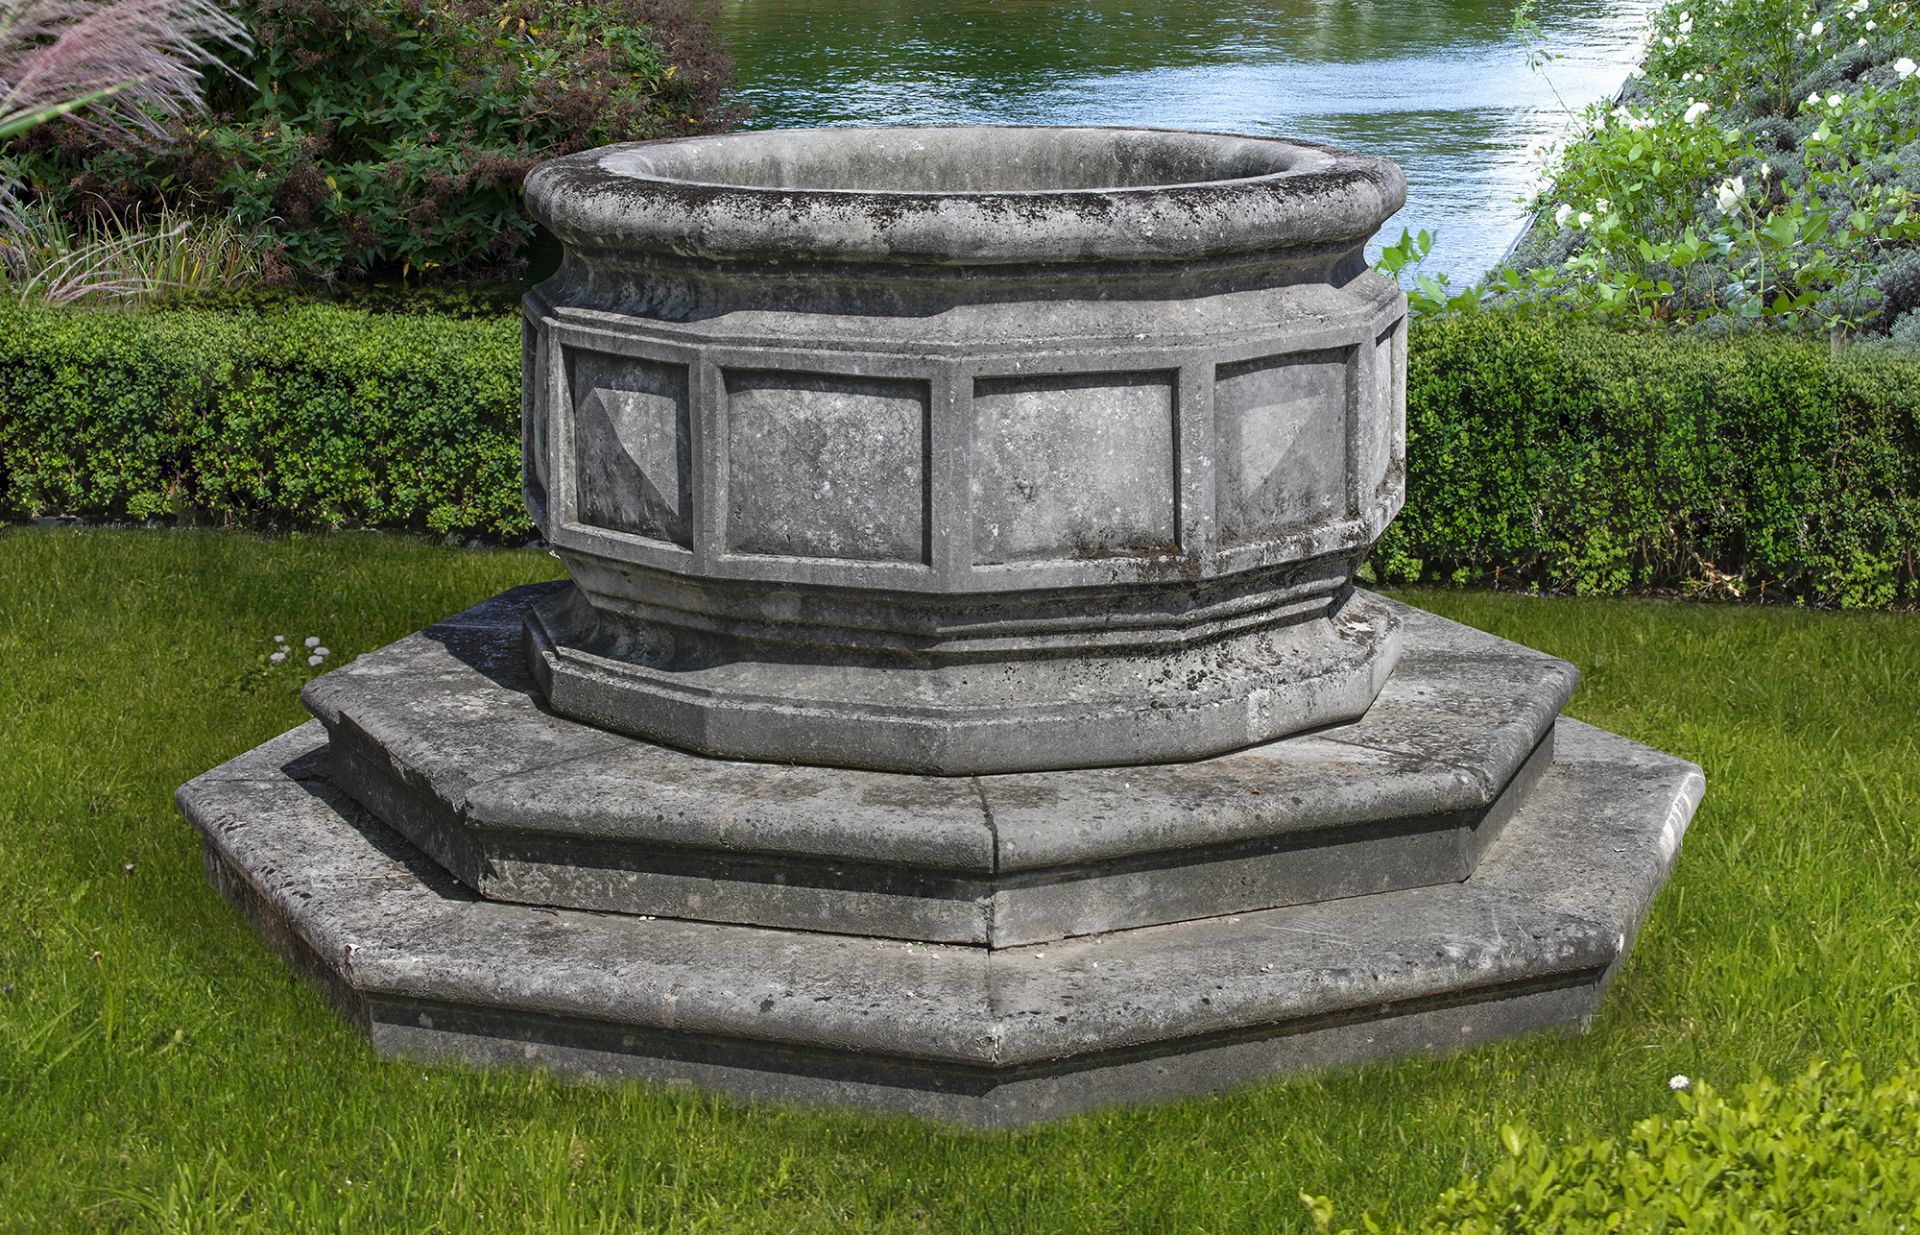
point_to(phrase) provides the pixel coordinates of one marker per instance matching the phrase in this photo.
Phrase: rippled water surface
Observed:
(1441, 86)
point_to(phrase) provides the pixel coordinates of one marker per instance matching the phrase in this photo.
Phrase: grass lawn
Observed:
(160, 1069)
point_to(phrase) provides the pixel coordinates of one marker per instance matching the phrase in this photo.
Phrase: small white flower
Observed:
(1561, 215)
(1873, 25)
(313, 641)
(1834, 100)
(1686, 24)
(314, 662)
(1817, 29)
(1679, 1083)
(1862, 42)
(1697, 109)
(1858, 6)
(1601, 206)
(1814, 98)
(1730, 193)
(1667, 41)
(1905, 66)
(1585, 220)
(279, 638)
(1766, 171)
(278, 658)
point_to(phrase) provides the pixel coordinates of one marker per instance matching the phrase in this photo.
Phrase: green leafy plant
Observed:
(390, 137)
(1828, 1151)
(1402, 261)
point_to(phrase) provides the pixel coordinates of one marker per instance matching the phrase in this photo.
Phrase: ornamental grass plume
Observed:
(121, 67)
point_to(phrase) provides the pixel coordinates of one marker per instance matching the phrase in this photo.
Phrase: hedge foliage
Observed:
(1544, 452)
(1829, 1151)
(1576, 457)
(313, 417)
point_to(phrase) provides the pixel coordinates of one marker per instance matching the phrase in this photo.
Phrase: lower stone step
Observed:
(983, 1036)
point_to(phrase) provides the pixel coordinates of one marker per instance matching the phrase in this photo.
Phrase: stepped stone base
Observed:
(1497, 934)
(446, 738)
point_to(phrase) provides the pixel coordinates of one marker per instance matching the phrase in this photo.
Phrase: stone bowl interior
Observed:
(961, 160)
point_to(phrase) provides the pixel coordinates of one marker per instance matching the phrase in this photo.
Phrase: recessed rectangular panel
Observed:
(533, 423)
(1074, 465)
(1381, 419)
(827, 465)
(1281, 423)
(632, 452)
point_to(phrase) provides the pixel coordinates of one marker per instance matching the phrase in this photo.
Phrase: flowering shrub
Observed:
(1765, 164)
(390, 137)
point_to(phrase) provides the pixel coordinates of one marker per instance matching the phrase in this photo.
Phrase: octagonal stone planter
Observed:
(962, 450)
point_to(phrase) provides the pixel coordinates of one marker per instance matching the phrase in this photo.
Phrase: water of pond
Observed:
(1441, 86)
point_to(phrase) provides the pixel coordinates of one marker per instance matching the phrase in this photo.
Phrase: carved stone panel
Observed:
(1281, 425)
(633, 456)
(826, 465)
(1077, 465)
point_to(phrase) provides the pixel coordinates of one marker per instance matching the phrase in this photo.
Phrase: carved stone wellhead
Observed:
(962, 450)
(878, 457)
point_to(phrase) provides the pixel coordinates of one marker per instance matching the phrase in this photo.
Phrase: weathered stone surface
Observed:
(985, 1036)
(967, 717)
(1062, 465)
(440, 737)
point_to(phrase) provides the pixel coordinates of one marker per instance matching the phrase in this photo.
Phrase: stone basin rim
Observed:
(1038, 199)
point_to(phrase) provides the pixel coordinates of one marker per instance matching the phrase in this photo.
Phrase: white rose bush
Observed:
(1763, 168)
(1766, 167)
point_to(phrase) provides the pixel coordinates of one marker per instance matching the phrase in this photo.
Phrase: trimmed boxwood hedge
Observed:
(315, 416)
(1573, 456)
(1543, 452)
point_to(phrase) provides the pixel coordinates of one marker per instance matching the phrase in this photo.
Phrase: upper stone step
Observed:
(444, 737)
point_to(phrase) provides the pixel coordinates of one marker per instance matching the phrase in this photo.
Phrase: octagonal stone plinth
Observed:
(962, 527)
(964, 450)
(983, 1036)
